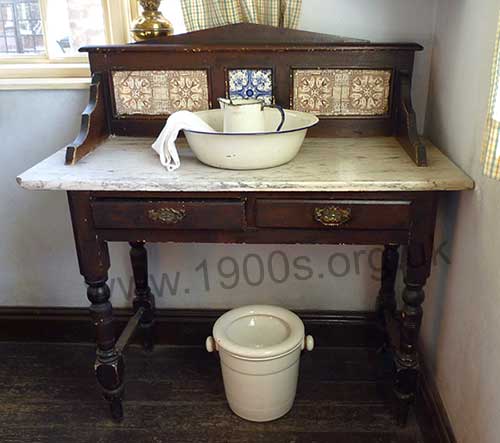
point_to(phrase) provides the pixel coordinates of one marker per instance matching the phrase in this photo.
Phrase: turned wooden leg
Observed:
(418, 267)
(143, 297)
(93, 259)
(109, 367)
(407, 361)
(386, 300)
(406, 357)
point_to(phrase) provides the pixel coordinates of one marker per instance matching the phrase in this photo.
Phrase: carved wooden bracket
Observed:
(406, 124)
(94, 127)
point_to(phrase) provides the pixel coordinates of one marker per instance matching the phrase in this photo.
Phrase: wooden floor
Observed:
(175, 394)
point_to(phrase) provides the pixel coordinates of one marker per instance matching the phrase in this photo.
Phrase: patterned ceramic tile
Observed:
(251, 83)
(160, 92)
(341, 92)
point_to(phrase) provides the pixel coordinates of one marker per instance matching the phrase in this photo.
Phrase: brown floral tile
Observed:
(341, 92)
(160, 92)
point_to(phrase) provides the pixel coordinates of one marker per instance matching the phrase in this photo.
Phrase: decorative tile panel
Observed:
(342, 92)
(160, 92)
(251, 83)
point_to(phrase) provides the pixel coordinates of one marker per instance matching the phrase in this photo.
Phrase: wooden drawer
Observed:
(333, 214)
(169, 214)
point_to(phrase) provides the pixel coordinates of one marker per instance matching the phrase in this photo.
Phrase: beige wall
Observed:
(461, 324)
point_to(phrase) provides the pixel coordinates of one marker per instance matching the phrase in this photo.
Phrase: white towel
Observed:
(164, 145)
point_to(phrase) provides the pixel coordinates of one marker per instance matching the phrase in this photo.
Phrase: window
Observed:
(71, 24)
(53, 30)
(39, 39)
(20, 27)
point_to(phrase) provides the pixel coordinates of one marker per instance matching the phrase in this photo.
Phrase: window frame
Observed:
(118, 15)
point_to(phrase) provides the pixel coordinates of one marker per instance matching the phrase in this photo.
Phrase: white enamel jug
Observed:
(247, 115)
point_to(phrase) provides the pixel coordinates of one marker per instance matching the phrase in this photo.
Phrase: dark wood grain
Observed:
(197, 214)
(93, 258)
(187, 327)
(216, 60)
(280, 213)
(124, 216)
(143, 296)
(406, 128)
(249, 46)
(94, 126)
(255, 218)
(177, 396)
(249, 34)
(417, 270)
(386, 301)
(261, 236)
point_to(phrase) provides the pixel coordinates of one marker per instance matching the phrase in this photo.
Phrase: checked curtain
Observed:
(491, 144)
(202, 14)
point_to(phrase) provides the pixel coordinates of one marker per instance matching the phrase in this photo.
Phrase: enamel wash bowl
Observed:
(256, 150)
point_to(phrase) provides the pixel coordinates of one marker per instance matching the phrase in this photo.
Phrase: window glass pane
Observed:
(34, 11)
(20, 28)
(8, 11)
(23, 11)
(72, 24)
(10, 29)
(11, 44)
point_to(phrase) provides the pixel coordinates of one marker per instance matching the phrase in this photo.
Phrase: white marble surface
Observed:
(333, 164)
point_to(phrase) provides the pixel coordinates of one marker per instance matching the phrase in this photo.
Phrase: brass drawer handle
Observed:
(332, 215)
(170, 216)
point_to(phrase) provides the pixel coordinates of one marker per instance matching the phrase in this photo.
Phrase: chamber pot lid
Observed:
(258, 331)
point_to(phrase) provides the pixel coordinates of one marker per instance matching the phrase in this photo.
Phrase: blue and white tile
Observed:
(251, 83)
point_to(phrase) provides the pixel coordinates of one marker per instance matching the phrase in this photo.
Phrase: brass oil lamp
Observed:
(152, 23)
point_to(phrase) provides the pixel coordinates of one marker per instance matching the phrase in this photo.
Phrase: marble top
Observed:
(327, 164)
